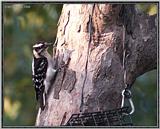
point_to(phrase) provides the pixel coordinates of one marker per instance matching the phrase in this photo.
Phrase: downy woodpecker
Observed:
(42, 71)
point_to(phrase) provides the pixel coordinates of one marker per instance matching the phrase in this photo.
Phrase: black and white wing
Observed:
(39, 69)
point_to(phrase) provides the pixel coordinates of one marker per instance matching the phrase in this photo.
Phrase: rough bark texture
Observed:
(89, 47)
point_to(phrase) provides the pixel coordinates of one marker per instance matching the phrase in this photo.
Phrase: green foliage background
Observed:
(24, 24)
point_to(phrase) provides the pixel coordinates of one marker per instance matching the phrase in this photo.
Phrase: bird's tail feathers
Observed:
(42, 101)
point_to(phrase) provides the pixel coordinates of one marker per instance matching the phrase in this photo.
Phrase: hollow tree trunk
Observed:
(89, 47)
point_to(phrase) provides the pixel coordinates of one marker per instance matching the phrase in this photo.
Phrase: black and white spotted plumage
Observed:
(42, 71)
(39, 75)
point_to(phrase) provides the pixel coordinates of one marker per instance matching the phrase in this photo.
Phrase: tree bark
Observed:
(90, 41)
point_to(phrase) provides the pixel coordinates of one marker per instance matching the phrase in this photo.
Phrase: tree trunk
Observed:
(89, 52)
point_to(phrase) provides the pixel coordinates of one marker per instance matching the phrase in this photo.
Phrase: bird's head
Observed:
(40, 48)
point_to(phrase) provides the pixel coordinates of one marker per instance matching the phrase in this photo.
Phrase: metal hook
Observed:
(132, 106)
(126, 93)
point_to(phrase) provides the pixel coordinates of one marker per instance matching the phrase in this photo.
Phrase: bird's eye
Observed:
(36, 49)
(42, 46)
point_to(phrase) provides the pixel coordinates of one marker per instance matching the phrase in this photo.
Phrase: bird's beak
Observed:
(48, 44)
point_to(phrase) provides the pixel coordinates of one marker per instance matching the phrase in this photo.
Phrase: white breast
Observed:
(49, 74)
